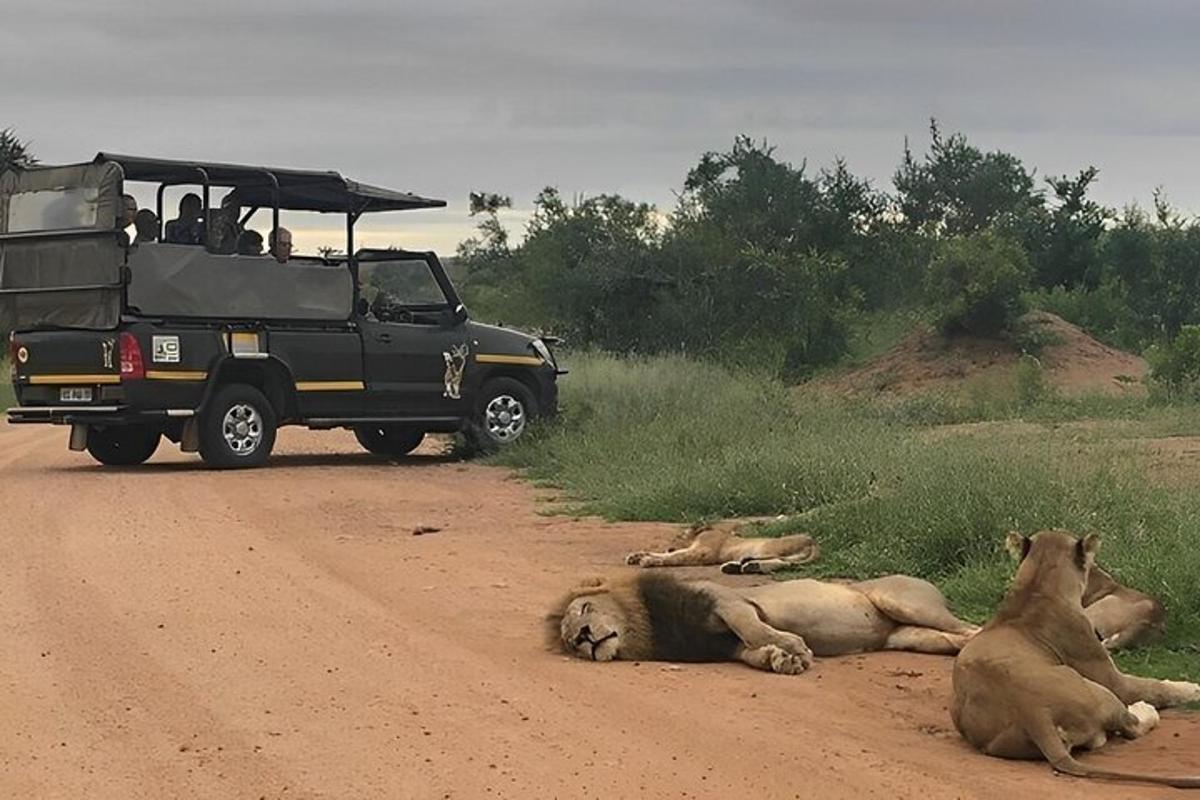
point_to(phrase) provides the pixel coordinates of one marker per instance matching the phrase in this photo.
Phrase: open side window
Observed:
(403, 286)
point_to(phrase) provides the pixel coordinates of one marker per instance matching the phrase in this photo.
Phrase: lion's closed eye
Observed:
(586, 608)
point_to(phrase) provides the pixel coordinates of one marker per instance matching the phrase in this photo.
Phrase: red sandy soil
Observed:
(1075, 363)
(170, 631)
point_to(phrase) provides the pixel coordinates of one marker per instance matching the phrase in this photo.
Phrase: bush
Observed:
(975, 284)
(1175, 365)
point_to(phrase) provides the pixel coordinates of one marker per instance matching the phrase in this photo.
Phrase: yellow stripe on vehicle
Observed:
(37, 380)
(491, 358)
(175, 375)
(330, 386)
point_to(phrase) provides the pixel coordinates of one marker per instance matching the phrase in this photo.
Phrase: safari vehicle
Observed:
(128, 343)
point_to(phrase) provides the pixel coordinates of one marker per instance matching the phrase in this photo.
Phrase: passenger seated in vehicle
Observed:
(250, 243)
(146, 224)
(188, 228)
(280, 240)
(125, 217)
(225, 230)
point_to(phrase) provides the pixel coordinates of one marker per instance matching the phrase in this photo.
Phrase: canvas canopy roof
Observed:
(299, 190)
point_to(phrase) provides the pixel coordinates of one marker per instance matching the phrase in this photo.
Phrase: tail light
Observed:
(132, 366)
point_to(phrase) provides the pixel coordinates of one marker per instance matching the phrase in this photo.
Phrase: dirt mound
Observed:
(1074, 362)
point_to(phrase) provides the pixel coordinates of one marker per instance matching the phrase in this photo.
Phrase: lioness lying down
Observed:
(1037, 682)
(719, 543)
(778, 627)
(1122, 617)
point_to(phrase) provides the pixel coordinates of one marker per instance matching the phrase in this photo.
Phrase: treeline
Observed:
(763, 262)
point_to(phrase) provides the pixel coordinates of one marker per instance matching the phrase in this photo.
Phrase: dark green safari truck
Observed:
(129, 342)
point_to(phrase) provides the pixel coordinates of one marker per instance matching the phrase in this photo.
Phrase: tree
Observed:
(14, 153)
(957, 189)
(1069, 251)
(975, 284)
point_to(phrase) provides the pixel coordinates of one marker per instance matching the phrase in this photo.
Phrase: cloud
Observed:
(443, 98)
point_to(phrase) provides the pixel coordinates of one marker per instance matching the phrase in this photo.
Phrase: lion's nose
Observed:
(585, 635)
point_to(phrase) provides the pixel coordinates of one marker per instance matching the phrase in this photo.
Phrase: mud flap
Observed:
(79, 436)
(189, 441)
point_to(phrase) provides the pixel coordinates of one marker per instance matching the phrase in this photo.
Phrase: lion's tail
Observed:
(1046, 737)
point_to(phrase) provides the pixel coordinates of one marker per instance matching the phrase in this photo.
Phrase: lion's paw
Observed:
(634, 559)
(1184, 691)
(785, 663)
(1147, 718)
(732, 568)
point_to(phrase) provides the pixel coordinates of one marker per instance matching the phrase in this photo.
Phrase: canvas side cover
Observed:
(174, 280)
(49, 277)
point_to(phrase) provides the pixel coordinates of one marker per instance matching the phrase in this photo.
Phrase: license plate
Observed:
(75, 394)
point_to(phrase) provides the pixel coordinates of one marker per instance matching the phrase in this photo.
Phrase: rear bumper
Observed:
(91, 415)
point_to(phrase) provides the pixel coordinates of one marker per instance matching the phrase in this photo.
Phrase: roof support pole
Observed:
(351, 261)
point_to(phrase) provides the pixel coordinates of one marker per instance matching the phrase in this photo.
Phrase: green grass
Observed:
(672, 439)
(7, 397)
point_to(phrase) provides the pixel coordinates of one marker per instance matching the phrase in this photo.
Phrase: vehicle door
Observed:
(415, 346)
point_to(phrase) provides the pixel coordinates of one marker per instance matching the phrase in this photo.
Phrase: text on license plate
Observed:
(75, 394)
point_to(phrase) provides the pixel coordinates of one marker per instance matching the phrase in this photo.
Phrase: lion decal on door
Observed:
(456, 364)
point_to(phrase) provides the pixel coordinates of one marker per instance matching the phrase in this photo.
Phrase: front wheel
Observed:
(388, 440)
(122, 445)
(505, 409)
(237, 428)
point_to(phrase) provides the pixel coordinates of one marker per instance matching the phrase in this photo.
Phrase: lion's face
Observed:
(592, 627)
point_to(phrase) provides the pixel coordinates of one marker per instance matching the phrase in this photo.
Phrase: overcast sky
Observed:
(446, 96)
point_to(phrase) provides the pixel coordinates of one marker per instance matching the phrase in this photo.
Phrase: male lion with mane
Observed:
(1037, 681)
(777, 627)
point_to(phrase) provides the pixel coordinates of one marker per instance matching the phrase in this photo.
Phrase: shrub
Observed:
(975, 284)
(1175, 365)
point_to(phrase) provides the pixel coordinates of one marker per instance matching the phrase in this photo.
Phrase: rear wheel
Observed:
(237, 428)
(122, 445)
(389, 440)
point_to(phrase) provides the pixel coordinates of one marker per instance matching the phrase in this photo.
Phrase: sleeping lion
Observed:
(719, 543)
(778, 627)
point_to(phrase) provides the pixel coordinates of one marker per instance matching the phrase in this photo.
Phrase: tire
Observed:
(237, 429)
(123, 445)
(389, 440)
(502, 414)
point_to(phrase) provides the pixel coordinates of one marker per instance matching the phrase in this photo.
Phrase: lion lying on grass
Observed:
(719, 543)
(1037, 682)
(778, 627)
(1123, 617)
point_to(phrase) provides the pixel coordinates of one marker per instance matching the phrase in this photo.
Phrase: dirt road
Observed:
(170, 631)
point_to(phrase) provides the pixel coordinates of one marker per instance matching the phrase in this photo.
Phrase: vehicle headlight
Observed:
(542, 350)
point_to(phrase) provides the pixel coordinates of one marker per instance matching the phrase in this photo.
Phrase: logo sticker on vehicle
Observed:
(106, 352)
(456, 363)
(165, 349)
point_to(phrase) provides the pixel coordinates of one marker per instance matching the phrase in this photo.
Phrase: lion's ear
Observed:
(1017, 545)
(1086, 549)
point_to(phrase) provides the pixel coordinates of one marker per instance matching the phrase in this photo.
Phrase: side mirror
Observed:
(453, 316)
(363, 307)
